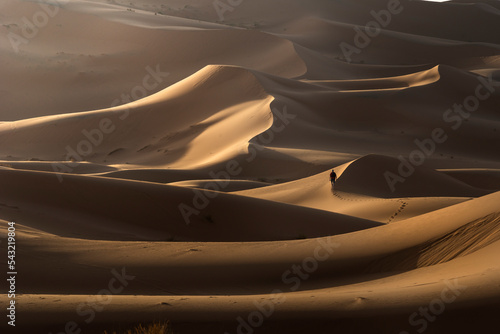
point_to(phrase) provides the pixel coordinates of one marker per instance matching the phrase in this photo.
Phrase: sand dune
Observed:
(160, 214)
(184, 290)
(170, 161)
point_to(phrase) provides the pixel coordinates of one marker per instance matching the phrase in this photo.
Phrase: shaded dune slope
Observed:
(109, 209)
(262, 264)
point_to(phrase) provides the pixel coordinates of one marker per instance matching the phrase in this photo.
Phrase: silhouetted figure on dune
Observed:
(333, 178)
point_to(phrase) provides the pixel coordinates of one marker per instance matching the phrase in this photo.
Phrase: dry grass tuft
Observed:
(156, 328)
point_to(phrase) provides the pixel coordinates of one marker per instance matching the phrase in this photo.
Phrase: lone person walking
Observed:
(333, 178)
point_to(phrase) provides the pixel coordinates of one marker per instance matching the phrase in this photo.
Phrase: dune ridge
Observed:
(471, 237)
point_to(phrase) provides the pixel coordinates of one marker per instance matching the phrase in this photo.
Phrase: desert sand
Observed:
(170, 161)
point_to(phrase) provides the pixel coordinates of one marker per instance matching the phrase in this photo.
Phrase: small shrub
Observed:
(156, 328)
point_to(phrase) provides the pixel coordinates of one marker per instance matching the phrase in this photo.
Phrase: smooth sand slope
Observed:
(170, 161)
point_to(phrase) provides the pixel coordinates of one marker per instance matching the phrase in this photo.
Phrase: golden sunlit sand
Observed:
(169, 161)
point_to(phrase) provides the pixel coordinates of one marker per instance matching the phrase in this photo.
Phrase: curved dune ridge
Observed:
(183, 149)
